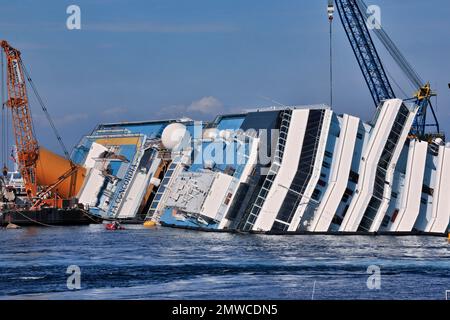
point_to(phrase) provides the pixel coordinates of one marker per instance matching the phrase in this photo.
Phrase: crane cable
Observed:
(412, 75)
(4, 142)
(3, 111)
(405, 95)
(331, 62)
(44, 108)
(330, 11)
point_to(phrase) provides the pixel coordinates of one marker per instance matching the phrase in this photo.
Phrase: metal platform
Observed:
(47, 217)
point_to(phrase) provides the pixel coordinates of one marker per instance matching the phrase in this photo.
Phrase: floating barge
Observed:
(47, 217)
(15, 207)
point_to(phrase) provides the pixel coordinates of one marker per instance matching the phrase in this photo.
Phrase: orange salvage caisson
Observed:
(51, 166)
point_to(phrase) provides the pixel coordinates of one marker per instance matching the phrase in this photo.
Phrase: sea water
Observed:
(165, 263)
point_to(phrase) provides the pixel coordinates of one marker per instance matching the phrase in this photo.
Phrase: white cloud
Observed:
(206, 105)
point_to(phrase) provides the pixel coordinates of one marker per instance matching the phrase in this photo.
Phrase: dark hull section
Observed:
(327, 233)
(48, 216)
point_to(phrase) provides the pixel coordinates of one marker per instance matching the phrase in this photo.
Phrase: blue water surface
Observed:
(165, 263)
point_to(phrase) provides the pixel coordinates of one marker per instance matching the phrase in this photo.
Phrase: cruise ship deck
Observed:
(298, 169)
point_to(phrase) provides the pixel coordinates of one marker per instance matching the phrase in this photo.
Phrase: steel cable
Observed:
(47, 115)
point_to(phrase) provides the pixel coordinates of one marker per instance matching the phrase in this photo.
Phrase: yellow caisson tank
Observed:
(50, 167)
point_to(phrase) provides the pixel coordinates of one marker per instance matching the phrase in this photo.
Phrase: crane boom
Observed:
(353, 14)
(25, 139)
(424, 92)
(364, 50)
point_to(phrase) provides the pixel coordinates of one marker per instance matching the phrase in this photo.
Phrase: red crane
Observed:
(48, 178)
(25, 139)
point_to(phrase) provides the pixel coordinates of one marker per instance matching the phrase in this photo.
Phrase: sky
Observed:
(157, 59)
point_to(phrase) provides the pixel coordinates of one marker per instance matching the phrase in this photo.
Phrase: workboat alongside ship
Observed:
(276, 169)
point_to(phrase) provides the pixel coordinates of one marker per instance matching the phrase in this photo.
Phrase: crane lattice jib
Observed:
(424, 93)
(25, 139)
(364, 49)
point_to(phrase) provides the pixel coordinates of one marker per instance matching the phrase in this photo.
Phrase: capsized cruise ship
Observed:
(277, 169)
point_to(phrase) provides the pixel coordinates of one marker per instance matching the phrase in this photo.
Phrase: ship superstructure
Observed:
(277, 169)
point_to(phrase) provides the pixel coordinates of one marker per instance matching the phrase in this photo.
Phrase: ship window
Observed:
(427, 190)
(259, 201)
(385, 221)
(267, 184)
(423, 201)
(277, 226)
(251, 219)
(316, 194)
(321, 183)
(172, 166)
(359, 136)
(328, 154)
(394, 215)
(337, 220)
(348, 192)
(344, 198)
(394, 195)
(345, 211)
(326, 165)
(353, 177)
(263, 193)
(227, 199)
